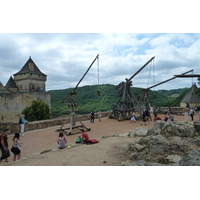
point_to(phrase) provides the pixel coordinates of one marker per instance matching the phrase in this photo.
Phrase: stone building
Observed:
(21, 89)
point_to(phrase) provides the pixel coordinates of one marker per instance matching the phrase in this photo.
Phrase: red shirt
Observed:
(85, 137)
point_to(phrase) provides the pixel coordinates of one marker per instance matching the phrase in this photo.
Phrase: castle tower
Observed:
(27, 85)
(30, 78)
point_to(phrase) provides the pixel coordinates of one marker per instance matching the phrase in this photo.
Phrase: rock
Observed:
(139, 147)
(138, 132)
(134, 156)
(192, 159)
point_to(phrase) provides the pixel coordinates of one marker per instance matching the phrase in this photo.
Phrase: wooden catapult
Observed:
(71, 102)
(129, 102)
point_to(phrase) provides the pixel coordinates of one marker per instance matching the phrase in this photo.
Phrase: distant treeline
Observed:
(88, 99)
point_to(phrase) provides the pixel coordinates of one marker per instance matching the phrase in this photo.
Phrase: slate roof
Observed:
(11, 83)
(191, 96)
(26, 70)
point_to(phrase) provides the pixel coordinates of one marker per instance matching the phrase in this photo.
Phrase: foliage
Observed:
(37, 111)
(198, 91)
(88, 100)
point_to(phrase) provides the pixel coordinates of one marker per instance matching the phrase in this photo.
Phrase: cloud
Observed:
(65, 57)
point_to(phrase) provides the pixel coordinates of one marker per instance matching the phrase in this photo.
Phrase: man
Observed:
(4, 146)
(92, 117)
(22, 124)
(84, 135)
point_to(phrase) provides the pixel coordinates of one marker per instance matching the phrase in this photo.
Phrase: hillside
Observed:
(88, 100)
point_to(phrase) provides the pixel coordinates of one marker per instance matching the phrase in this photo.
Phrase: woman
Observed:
(61, 141)
(15, 147)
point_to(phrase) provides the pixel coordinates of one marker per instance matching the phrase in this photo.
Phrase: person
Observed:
(61, 141)
(191, 113)
(85, 137)
(144, 117)
(133, 117)
(171, 117)
(156, 117)
(165, 118)
(79, 139)
(22, 124)
(99, 115)
(15, 147)
(4, 146)
(187, 105)
(92, 117)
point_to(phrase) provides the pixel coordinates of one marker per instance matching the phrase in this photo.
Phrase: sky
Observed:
(63, 44)
(63, 38)
(65, 57)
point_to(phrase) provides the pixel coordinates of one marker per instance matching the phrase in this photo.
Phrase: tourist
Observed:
(99, 115)
(143, 118)
(191, 113)
(85, 137)
(92, 117)
(165, 118)
(4, 146)
(61, 141)
(170, 117)
(156, 117)
(79, 139)
(15, 147)
(133, 118)
(187, 105)
(22, 124)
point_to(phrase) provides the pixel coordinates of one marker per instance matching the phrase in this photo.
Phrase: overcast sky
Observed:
(64, 54)
(65, 57)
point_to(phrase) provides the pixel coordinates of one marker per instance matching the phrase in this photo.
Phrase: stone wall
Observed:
(15, 127)
(13, 104)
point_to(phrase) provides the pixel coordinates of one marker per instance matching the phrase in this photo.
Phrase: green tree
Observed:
(37, 111)
(198, 91)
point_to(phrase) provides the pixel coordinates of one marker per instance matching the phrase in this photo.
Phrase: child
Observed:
(79, 139)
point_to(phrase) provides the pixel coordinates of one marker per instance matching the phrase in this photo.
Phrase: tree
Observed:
(37, 111)
(198, 91)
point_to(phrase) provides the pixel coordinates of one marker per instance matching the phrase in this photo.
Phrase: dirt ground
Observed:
(104, 153)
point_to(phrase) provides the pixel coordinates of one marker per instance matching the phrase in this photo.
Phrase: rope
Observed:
(98, 71)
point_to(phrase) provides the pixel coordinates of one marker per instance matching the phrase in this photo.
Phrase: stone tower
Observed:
(30, 78)
(27, 85)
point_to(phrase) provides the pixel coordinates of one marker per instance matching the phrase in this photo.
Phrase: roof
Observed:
(191, 96)
(11, 83)
(3, 89)
(26, 69)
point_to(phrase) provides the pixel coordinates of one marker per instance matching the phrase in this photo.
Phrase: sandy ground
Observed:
(104, 153)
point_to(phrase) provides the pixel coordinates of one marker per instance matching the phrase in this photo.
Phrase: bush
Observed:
(37, 111)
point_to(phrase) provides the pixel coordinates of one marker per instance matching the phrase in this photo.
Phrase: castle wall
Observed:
(13, 104)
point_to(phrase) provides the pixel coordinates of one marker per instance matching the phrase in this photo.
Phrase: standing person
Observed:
(4, 146)
(85, 137)
(15, 147)
(61, 141)
(191, 113)
(99, 115)
(92, 117)
(22, 124)
(144, 117)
